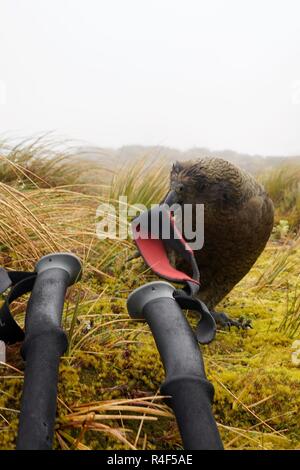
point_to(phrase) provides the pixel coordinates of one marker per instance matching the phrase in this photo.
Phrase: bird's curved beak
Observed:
(171, 198)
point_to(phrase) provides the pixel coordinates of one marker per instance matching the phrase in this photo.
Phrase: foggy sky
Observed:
(182, 73)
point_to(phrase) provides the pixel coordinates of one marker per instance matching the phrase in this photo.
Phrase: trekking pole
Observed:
(186, 384)
(45, 342)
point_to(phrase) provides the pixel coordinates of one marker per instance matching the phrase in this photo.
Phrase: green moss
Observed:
(257, 386)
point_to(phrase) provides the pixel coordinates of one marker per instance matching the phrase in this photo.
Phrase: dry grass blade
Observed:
(261, 421)
(145, 181)
(90, 416)
(291, 320)
(280, 263)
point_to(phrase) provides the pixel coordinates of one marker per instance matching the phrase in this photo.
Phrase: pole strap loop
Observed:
(206, 328)
(21, 282)
(155, 233)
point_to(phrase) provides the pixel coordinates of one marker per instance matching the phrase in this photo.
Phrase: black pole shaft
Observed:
(186, 383)
(45, 342)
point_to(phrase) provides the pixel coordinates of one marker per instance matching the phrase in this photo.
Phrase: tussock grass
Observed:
(41, 220)
(93, 416)
(283, 186)
(43, 163)
(280, 265)
(144, 181)
(291, 320)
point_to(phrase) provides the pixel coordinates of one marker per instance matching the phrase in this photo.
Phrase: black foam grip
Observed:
(186, 383)
(44, 343)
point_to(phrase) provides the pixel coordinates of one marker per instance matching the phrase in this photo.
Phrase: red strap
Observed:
(155, 256)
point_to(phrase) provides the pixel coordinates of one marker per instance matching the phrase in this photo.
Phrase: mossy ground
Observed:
(108, 391)
(257, 385)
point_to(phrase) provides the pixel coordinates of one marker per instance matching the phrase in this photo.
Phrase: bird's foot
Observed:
(226, 322)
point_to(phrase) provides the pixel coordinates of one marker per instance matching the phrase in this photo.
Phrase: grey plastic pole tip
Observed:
(65, 261)
(144, 294)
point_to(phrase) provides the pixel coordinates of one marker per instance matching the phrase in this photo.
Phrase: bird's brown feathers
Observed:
(238, 218)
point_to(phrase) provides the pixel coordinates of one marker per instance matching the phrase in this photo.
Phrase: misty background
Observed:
(174, 75)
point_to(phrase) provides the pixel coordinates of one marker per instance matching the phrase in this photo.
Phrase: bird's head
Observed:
(180, 187)
(210, 181)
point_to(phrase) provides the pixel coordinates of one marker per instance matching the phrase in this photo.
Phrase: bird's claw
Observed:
(227, 322)
(245, 323)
